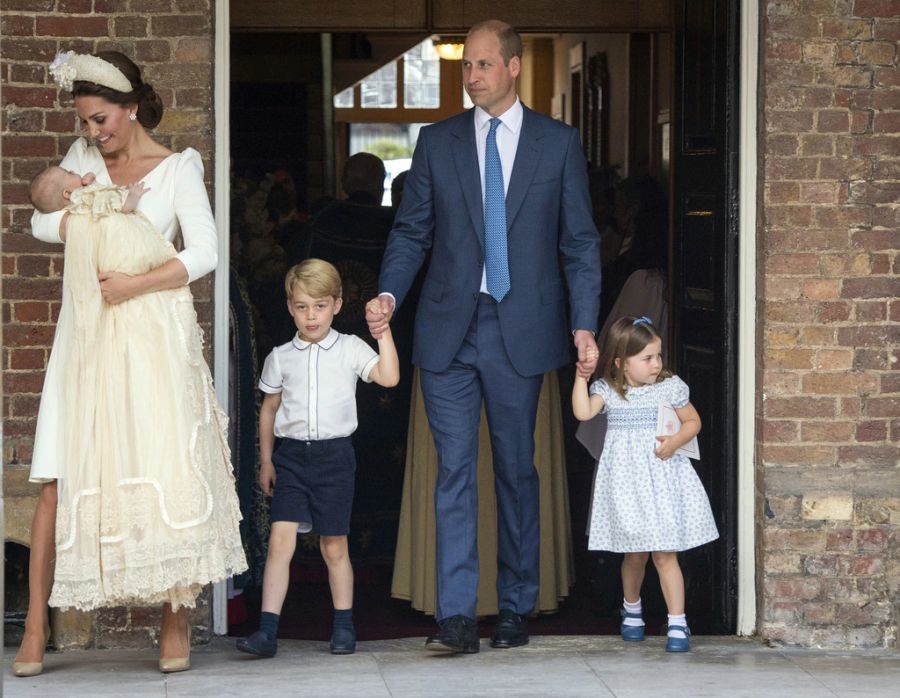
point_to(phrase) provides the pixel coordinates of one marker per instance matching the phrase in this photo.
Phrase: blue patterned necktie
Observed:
(496, 258)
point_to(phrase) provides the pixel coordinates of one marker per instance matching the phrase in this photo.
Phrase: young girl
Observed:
(647, 499)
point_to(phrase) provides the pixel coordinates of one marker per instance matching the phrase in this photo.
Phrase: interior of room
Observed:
(304, 102)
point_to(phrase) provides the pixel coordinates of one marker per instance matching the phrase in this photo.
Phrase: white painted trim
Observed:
(746, 545)
(221, 95)
(746, 377)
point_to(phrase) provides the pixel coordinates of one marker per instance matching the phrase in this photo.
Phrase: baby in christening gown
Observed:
(147, 509)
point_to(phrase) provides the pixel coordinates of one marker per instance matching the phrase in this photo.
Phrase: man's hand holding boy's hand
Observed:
(378, 314)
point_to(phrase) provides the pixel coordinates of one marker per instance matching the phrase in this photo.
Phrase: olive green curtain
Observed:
(414, 561)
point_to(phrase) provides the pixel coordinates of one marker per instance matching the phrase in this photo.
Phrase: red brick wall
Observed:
(830, 319)
(830, 323)
(173, 41)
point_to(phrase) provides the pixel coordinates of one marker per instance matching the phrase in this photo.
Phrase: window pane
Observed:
(467, 103)
(393, 143)
(344, 99)
(379, 90)
(422, 77)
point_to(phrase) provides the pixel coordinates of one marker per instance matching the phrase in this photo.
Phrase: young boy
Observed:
(310, 403)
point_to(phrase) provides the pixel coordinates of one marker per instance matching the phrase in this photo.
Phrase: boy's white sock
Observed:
(677, 620)
(632, 608)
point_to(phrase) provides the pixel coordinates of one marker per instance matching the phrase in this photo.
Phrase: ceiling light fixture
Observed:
(450, 48)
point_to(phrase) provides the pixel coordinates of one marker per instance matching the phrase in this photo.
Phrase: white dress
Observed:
(177, 202)
(147, 508)
(642, 503)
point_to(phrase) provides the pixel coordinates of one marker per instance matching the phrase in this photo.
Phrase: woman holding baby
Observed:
(137, 502)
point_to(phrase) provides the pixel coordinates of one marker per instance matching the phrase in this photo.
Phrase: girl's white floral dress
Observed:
(642, 503)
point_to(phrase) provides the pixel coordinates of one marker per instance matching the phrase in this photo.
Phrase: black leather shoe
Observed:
(511, 630)
(458, 634)
(258, 644)
(343, 641)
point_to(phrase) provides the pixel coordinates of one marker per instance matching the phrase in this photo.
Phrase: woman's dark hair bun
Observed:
(149, 105)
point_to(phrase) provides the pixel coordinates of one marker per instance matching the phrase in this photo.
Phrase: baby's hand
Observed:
(88, 178)
(666, 448)
(135, 191)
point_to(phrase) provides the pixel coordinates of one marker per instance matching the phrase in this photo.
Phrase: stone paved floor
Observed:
(548, 667)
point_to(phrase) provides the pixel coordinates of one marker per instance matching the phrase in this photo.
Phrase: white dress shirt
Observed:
(317, 382)
(507, 143)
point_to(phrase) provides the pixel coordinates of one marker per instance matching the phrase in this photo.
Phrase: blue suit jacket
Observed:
(551, 231)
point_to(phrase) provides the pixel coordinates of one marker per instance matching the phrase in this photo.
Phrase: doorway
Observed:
(691, 300)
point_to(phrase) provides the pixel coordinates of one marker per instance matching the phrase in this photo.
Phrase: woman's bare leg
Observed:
(173, 633)
(40, 576)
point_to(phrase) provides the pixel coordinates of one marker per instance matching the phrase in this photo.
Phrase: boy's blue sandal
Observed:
(343, 640)
(258, 644)
(679, 644)
(632, 633)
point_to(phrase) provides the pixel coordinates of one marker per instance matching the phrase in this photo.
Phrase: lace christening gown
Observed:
(147, 507)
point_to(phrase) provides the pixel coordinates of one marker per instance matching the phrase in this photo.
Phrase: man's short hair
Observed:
(510, 41)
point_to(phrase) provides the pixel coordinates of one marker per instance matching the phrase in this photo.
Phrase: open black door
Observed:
(704, 275)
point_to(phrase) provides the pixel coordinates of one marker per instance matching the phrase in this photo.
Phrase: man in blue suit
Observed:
(499, 195)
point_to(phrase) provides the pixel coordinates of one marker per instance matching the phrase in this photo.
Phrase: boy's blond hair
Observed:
(315, 277)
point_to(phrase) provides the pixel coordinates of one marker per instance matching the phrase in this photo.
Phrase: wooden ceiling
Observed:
(450, 16)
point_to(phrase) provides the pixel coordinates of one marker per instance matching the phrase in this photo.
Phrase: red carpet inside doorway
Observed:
(307, 611)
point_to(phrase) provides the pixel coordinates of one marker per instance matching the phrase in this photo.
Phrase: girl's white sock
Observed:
(632, 608)
(677, 620)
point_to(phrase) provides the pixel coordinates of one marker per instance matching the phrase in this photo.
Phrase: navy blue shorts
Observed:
(314, 483)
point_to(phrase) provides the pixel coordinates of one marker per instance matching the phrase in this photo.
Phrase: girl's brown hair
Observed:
(627, 337)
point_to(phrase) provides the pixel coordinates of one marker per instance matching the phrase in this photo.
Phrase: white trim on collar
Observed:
(326, 343)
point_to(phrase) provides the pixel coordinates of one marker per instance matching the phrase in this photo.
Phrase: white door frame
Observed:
(222, 185)
(746, 368)
(746, 373)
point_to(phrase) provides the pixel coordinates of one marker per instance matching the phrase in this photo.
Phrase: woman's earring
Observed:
(132, 116)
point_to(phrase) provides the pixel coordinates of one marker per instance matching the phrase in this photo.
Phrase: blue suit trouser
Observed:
(482, 372)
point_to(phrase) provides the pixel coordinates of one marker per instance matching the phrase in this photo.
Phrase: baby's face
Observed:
(70, 181)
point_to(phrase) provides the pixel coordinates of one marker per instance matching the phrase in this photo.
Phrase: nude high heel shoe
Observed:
(25, 669)
(169, 665)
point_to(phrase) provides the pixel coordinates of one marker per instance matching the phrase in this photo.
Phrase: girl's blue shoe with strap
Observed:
(632, 633)
(679, 644)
